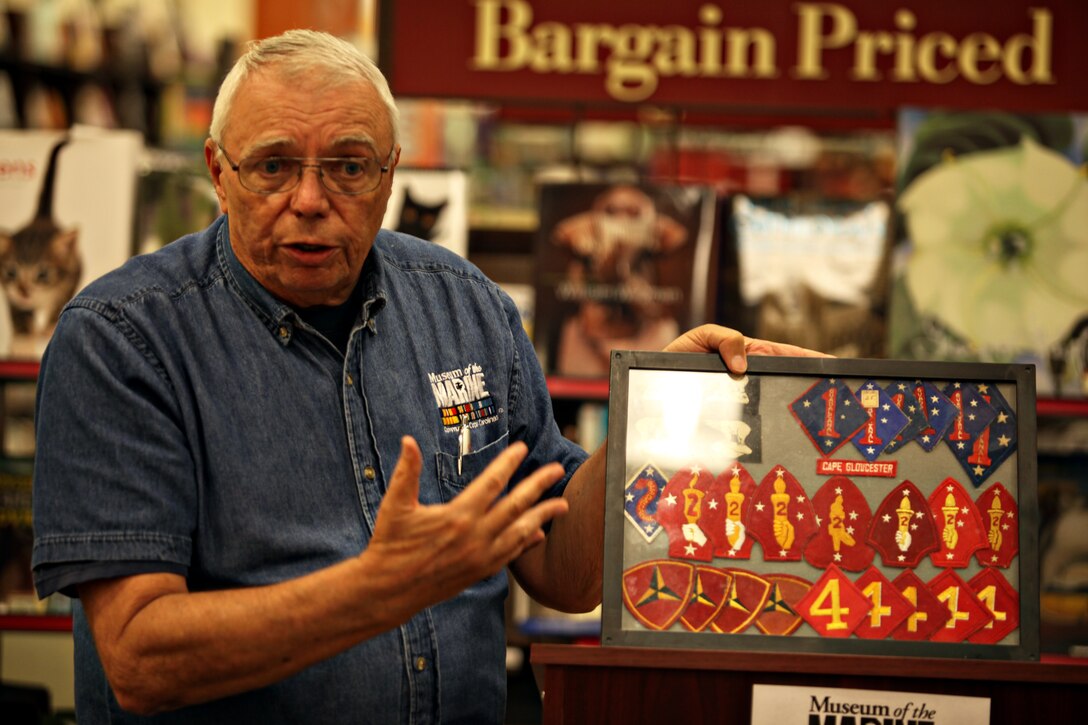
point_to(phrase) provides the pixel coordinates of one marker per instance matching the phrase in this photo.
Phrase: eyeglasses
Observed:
(340, 175)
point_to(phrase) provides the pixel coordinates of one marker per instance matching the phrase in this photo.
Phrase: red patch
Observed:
(843, 516)
(1002, 601)
(682, 510)
(888, 608)
(958, 524)
(657, 592)
(929, 613)
(902, 529)
(708, 595)
(782, 517)
(968, 614)
(779, 616)
(747, 596)
(734, 488)
(834, 607)
(1001, 521)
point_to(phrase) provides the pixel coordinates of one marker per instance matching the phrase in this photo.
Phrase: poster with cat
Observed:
(67, 212)
(431, 204)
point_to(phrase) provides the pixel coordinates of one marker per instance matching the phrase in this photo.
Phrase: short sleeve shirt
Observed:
(189, 422)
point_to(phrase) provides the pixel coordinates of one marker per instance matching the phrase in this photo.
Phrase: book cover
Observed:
(619, 266)
(67, 216)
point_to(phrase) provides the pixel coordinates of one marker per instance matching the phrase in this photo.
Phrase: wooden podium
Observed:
(593, 684)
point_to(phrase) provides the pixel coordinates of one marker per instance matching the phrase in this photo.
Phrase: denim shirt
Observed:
(189, 422)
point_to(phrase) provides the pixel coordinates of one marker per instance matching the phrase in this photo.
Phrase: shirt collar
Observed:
(279, 317)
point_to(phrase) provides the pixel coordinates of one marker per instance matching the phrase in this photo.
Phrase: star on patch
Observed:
(885, 420)
(829, 413)
(843, 515)
(985, 449)
(641, 495)
(960, 528)
(736, 488)
(1001, 521)
(783, 520)
(902, 531)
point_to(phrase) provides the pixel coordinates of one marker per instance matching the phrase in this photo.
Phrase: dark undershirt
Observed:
(335, 321)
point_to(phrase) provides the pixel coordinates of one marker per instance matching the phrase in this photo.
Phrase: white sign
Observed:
(781, 705)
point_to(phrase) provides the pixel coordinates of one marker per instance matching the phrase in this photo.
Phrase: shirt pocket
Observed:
(450, 482)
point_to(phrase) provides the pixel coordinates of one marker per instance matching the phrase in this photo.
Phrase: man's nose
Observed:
(310, 196)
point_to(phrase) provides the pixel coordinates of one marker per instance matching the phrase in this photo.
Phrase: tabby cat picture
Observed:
(40, 270)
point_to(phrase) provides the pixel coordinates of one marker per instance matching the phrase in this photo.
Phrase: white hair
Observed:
(302, 53)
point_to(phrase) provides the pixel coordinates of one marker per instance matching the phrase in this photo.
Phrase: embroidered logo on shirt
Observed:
(462, 397)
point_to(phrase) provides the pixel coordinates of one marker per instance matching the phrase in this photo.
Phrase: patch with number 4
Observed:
(834, 606)
(888, 607)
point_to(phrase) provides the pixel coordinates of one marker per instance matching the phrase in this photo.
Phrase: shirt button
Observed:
(369, 473)
(351, 380)
(421, 664)
(284, 333)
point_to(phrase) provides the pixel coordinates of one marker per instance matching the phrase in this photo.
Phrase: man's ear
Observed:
(215, 169)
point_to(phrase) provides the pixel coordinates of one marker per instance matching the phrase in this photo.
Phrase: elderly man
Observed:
(284, 462)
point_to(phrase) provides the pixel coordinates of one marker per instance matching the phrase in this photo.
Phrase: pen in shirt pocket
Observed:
(464, 444)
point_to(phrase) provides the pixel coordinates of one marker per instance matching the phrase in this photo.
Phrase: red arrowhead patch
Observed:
(1002, 601)
(779, 616)
(708, 595)
(782, 517)
(1001, 522)
(681, 512)
(968, 614)
(843, 517)
(735, 488)
(902, 529)
(960, 532)
(834, 607)
(656, 592)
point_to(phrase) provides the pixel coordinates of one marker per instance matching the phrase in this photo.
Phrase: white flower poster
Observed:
(992, 258)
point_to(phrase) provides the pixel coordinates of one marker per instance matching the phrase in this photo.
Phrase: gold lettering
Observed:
(675, 51)
(629, 77)
(811, 41)
(928, 46)
(1039, 43)
(904, 47)
(866, 48)
(553, 48)
(588, 39)
(491, 32)
(762, 46)
(710, 40)
(977, 49)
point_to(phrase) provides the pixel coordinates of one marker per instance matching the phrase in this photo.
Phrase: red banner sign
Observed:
(1017, 55)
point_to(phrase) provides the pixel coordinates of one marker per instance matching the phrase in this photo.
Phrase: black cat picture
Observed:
(40, 268)
(419, 219)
